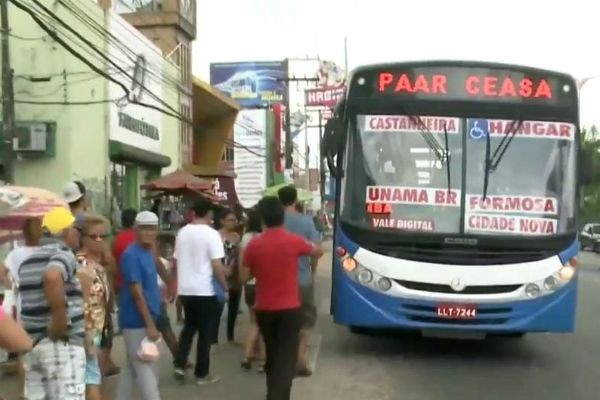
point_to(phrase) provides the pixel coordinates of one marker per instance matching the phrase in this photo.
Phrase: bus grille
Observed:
(444, 254)
(437, 288)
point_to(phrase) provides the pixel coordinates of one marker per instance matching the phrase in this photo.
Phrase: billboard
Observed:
(252, 84)
(250, 156)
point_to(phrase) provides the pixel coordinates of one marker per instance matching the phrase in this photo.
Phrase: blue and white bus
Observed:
(456, 199)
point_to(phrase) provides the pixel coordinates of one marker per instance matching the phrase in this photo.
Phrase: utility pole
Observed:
(321, 159)
(289, 145)
(8, 104)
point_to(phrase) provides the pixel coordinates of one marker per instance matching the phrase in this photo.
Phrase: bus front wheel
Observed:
(514, 335)
(359, 330)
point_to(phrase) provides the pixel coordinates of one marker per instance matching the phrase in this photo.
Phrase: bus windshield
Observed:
(396, 180)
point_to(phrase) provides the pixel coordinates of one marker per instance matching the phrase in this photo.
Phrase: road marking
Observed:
(314, 349)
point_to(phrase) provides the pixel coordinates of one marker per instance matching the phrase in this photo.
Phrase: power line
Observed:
(102, 54)
(27, 39)
(64, 84)
(105, 34)
(70, 49)
(65, 103)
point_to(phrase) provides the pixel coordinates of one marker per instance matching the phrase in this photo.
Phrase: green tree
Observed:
(590, 206)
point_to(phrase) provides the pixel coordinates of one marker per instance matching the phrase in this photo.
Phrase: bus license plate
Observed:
(456, 312)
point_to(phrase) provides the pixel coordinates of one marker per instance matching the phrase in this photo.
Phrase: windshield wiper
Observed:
(491, 163)
(428, 137)
(441, 153)
(447, 156)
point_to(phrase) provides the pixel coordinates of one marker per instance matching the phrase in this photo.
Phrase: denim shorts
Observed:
(163, 322)
(92, 371)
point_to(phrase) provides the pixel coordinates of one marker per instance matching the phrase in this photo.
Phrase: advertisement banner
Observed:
(251, 84)
(323, 97)
(250, 156)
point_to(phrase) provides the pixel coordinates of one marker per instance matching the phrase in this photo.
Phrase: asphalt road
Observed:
(408, 367)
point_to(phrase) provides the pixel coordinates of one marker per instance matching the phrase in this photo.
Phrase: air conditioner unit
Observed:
(32, 137)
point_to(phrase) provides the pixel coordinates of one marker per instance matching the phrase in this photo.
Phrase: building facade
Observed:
(77, 119)
(171, 26)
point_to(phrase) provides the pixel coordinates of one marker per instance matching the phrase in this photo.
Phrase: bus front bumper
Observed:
(358, 306)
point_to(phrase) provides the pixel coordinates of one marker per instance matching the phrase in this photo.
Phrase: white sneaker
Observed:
(179, 374)
(208, 380)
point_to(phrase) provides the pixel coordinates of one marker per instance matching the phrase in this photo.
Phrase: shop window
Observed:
(228, 154)
(117, 184)
(184, 63)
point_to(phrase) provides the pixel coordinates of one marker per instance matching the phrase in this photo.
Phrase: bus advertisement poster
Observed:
(413, 195)
(475, 222)
(518, 204)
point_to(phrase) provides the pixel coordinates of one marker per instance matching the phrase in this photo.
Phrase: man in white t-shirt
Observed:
(198, 254)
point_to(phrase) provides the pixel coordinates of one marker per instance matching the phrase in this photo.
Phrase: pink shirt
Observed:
(2, 314)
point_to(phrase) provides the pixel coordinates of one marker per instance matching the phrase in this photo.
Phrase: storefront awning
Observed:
(214, 116)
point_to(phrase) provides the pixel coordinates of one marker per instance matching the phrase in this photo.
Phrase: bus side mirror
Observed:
(586, 167)
(331, 144)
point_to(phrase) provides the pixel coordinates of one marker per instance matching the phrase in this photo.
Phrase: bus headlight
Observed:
(533, 290)
(551, 283)
(566, 273)
(365, 276)
(384, 284)
(349, 263)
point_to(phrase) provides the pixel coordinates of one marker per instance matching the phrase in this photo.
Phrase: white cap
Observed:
(146, 218)
(71, 193)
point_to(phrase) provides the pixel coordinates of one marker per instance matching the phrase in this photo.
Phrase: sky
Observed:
(557, 35)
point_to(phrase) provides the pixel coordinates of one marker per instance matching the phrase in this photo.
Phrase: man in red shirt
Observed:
(122, 241)
(272, 258)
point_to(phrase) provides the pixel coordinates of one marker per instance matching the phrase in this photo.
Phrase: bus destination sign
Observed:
(473, 84)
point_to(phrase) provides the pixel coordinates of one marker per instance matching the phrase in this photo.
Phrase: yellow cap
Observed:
(57, 220)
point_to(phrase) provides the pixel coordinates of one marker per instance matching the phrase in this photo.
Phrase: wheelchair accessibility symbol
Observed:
(478, 128)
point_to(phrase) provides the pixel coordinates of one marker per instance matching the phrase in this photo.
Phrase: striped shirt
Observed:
(35, 311)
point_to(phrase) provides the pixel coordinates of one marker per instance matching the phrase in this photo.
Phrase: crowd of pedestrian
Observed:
(68, 281)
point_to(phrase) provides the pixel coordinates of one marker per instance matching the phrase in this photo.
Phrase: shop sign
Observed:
(130, 123)
(221, 195)
(323, 97)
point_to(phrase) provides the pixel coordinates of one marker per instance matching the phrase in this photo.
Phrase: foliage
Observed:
(590, 210)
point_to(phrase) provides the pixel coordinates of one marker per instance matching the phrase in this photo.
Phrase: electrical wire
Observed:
(107, 36)
(27, 39)
(109, 59)
(65, 103)
(71, 50)
(60, 86)
(54, 35)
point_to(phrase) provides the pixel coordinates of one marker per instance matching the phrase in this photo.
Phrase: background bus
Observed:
(457, 196)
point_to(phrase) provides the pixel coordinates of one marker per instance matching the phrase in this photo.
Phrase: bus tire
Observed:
(359, 330)
(514, 335)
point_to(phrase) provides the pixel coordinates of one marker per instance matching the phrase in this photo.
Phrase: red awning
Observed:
(179, 180)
